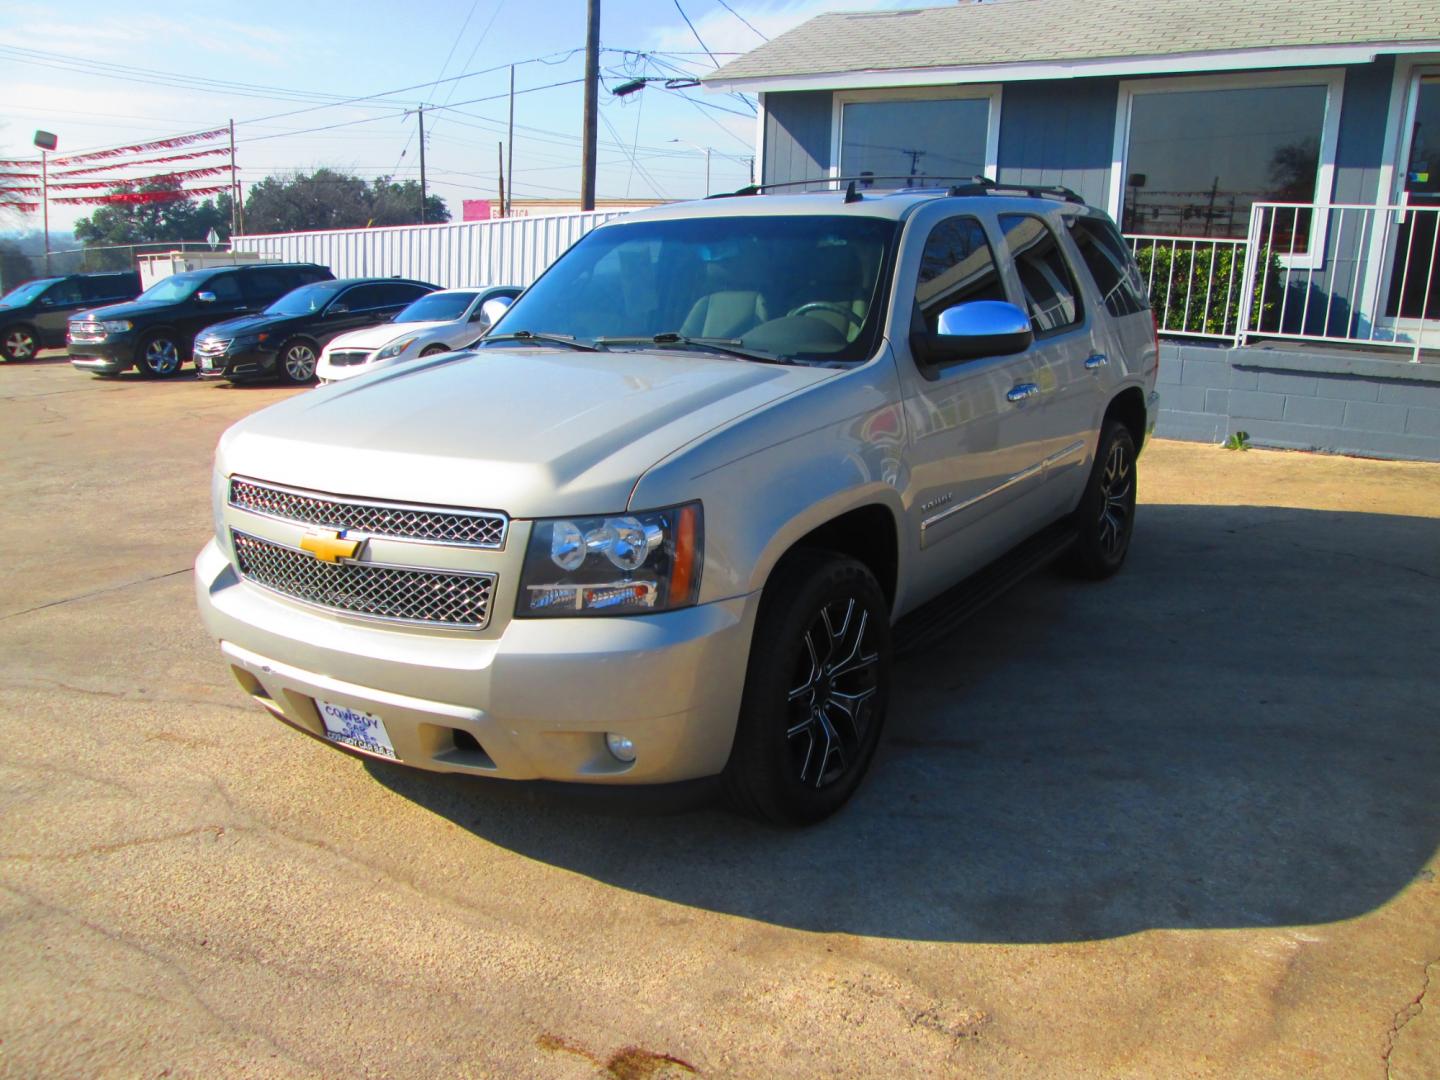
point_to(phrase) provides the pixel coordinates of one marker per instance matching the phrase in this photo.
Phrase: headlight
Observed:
(395, 348)
(622, 565)
(116, 326)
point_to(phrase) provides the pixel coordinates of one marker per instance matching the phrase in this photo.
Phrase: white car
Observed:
(439, 322)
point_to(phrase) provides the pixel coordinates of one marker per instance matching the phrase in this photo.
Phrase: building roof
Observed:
(1076, 34)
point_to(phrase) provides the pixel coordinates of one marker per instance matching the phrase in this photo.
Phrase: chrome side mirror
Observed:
(492, 309)
(970, 331)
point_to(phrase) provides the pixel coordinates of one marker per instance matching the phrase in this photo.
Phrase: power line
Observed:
(742, 18)
(696, 33)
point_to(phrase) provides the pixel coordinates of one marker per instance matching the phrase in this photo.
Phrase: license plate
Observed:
(356, 729)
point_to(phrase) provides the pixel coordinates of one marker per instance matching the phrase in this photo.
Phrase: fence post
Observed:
(1247, 285)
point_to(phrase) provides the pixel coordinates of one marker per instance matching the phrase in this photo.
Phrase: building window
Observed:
(1197, 153)
(904, 141)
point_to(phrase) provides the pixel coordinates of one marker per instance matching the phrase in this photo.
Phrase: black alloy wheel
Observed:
(815, 692)
(1105, 519)
(19, 343)
(159, 356)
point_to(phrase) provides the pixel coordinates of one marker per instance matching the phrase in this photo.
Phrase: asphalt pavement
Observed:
(1183, 823)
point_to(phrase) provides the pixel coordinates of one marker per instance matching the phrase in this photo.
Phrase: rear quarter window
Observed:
(1117, 278)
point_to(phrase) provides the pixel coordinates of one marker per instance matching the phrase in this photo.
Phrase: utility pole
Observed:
(500, 154)
(421, 114)
(509, 186)
(234, 185)
(592, 90)
(45, 206)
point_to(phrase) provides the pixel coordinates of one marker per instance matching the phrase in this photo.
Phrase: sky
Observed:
(102, 74)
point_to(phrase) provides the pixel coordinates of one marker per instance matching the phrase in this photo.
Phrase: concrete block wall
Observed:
(1334, 401)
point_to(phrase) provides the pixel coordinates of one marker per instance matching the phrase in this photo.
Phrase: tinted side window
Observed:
(65, 292)
(105, 287)
(1050, 291)
(225, 287)
(957, 266)
(401, 294)
(1108, 259)
(264, 287)
(363, 297)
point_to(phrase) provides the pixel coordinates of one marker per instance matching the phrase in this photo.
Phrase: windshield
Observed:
(173, 288)
(807, 288)
(437, 307)
(305, 300)
(27, 292)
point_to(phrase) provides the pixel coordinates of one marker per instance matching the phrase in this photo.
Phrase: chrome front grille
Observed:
(401, 594)
(212, 346)
(397, 521)
(349, 357)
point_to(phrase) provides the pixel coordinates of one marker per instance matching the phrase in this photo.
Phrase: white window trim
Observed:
(1333, 79)
(993, 93)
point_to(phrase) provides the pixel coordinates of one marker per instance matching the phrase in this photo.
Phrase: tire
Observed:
(816, 689)
(434, 350)
(296, 362)
(1105, 519)
(19, 343)
(159, 356)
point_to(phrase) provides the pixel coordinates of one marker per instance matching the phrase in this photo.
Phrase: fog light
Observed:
(620, 746)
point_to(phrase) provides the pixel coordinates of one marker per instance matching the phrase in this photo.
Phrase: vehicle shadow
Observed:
(1238, 730)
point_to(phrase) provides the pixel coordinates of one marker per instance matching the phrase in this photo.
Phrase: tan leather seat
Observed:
(725, 314)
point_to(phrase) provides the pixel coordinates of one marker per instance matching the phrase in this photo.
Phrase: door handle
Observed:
(1021, 391)
(1099, 360)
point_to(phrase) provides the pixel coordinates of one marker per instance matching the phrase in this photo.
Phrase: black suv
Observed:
(33, 316)
(286, 338)
(154, 333)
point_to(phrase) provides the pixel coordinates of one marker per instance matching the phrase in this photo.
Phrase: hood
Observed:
(128, 310)
(252, 324)
(532, 432)
(373, 337)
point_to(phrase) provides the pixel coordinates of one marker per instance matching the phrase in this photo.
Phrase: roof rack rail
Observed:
(855, 187)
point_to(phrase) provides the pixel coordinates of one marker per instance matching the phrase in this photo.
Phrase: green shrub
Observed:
(1198, 267)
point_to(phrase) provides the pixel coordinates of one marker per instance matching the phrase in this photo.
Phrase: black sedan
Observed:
(286, 338)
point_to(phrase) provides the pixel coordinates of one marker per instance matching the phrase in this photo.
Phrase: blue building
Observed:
(1274, 164)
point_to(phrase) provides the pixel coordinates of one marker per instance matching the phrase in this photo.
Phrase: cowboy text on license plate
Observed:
(356, 729)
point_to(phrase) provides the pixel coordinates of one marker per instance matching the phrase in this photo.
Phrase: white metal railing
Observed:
(1194, 282)
(1374, 282)
(1348, 273)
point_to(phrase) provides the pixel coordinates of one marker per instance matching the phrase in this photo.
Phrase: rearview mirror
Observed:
(970, 331)
(492, 309)
(205, 297)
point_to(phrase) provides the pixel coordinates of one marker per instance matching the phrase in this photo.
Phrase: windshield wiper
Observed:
(568, 340)
(722, 346)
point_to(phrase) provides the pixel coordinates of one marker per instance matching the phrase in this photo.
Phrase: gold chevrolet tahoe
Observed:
(669, 519)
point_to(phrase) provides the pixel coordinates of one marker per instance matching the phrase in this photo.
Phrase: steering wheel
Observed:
(833, 308)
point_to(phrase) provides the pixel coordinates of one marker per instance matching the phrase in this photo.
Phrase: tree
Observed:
(174, 220)
(15, 266)
(329, 199)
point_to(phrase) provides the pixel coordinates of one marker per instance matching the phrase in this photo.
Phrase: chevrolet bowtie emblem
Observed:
(329, 546)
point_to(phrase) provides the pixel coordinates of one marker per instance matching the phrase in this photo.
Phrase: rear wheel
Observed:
(159, 356)
(297, 362)
(1106, 515)
(816, 690)
(19, 343)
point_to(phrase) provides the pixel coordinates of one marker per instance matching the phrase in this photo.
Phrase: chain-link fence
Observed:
(17, 267)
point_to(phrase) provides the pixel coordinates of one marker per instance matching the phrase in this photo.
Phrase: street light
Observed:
(46, 141)
(704, 150)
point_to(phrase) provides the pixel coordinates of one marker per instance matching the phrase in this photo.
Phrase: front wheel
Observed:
(19, 343)
(159, 357)
(816, 690)
(297, 362)
(434, 350)
(1105, 518)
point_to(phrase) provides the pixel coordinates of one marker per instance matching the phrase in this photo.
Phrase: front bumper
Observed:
(535, 701)
(108, 357)
(246, 363)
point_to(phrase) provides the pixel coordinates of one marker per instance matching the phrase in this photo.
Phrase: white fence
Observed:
(1354, 273)
(510, 251)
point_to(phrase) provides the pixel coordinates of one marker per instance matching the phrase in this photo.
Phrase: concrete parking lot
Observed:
(1183, 823)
